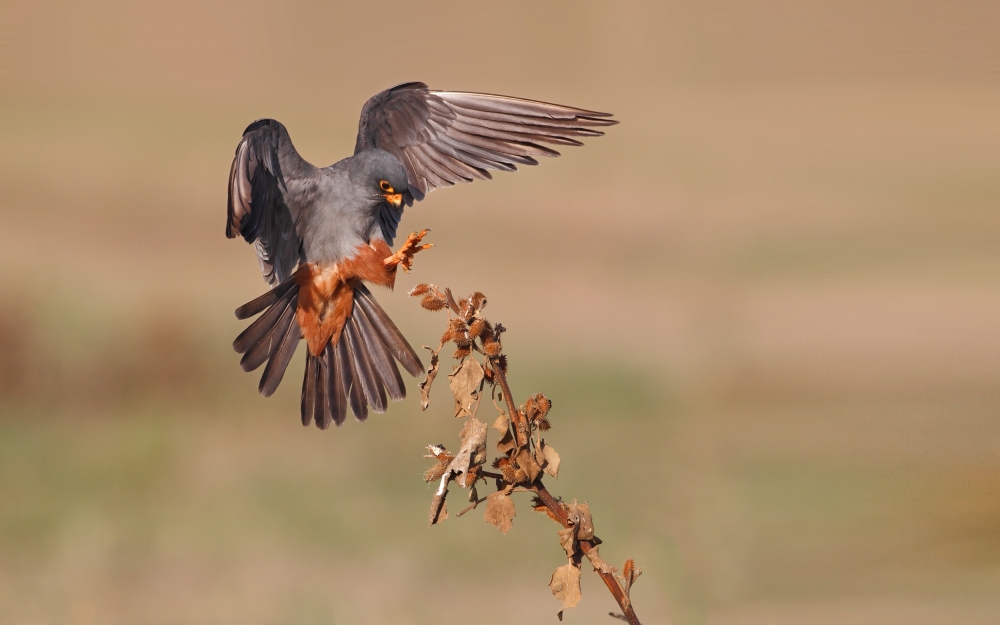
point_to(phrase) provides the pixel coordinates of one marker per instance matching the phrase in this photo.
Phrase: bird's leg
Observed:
(404, 256)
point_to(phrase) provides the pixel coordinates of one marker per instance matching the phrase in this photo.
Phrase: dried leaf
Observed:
(439, 509)
(594, 555)
(585, 524)
(527, 463)
(502, 423)
(472, 452)
(425, 386)
(552, 460)
(506, 443)
(565, 585)
(450, 300)
(500, 512)
(464, 382)
(567, 539)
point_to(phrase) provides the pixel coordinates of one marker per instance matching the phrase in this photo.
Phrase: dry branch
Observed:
(523, 456)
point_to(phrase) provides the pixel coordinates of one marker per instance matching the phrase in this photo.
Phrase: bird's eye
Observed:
(385, 186)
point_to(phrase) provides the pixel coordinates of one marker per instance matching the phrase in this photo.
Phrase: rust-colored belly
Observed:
(326, 292)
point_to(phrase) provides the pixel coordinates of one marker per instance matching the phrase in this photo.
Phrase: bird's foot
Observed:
(404, 256)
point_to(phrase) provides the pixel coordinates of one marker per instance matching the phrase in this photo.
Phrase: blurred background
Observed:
(765, 307)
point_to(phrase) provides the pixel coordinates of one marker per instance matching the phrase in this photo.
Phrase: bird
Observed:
(322, 233)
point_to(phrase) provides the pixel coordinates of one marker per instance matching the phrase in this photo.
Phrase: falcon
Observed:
(323, 233)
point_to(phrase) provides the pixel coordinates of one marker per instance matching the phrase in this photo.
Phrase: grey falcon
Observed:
(321, 233)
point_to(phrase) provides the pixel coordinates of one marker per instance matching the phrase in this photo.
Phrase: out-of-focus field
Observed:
(765, 306)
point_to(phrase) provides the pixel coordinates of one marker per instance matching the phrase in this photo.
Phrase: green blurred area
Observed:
(765, 308)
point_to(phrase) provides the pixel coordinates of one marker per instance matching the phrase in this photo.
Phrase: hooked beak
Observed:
(396, 199)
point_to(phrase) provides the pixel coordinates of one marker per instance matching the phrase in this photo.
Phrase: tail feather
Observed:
(278, 362)
(321, 411)
(308, 400)
(263, 325)
(352, 385)
(391, 336)
(370, 381)
(336, 385)
(383, 363)
(359, 372)
(254, 306)
(260, 352)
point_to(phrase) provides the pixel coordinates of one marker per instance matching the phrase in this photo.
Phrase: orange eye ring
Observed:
(385, 186)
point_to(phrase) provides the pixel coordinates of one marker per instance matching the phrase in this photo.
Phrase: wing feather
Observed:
(257, 209)
(446, 137)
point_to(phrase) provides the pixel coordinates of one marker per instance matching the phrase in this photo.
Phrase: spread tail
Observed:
(359, 371)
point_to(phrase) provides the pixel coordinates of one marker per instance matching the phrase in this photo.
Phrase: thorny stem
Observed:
(553, 504)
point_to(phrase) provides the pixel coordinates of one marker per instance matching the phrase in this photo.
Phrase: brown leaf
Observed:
(594, 555)
(450, 300)
(506, 443)
(565, 585)
(425, 386)
(551, 460)
(439, 509)
(502, 423)
(472, 452)
(500, 512)
(567, 539)
(527, 463)
(464, 382)
(585, 524)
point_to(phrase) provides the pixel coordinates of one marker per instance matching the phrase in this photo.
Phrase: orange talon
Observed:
(404, 256)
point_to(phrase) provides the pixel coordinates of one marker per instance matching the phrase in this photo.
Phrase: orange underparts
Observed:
(326, 292)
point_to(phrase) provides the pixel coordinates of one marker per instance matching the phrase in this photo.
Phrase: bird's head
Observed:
(383, 176)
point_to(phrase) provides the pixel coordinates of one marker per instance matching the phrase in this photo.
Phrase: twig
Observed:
(559, 511)
(521, 470)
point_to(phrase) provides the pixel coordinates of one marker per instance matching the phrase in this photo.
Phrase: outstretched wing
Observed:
(257, 208)
(444, 137)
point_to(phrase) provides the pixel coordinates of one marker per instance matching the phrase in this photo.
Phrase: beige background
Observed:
(765, 307)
